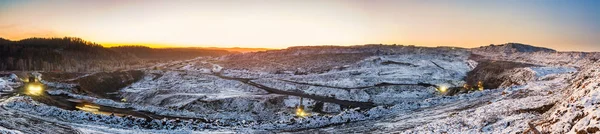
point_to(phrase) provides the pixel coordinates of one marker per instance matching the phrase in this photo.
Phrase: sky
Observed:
(567, 25)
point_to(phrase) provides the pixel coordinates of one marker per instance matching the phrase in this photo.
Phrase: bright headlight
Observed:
(34, 89)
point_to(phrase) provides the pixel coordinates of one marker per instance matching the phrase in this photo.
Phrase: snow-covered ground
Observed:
(577, 112)
(398, 87)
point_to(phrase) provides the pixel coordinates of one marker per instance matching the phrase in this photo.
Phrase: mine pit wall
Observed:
(495, 74)
(107, 84)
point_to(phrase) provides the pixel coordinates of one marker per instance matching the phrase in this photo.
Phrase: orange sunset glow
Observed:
(562, 25)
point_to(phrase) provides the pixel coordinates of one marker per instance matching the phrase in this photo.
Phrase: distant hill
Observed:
(513, 48)
(75, 54)
(147, 53)
(239, 49)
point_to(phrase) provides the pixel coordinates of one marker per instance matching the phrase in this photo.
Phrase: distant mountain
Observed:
(75, 54)
(513, 48)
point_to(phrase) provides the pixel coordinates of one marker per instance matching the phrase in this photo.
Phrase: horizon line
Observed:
(174, 45)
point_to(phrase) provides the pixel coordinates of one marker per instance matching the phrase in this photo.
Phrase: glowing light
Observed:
(301, 113)
(34, 89)
(88, 108)
(467, 87)
(442, 89)
(480, 86)
(93, 108)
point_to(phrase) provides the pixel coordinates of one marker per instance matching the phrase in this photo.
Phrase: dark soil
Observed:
(488, 71)
(106, 84)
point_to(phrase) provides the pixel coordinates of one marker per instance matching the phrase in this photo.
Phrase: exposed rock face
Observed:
(577, 112)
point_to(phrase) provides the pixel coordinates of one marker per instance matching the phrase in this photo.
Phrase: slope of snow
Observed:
(577, 112)
(544, 71)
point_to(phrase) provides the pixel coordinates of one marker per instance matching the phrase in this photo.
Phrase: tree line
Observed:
(77, 55)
